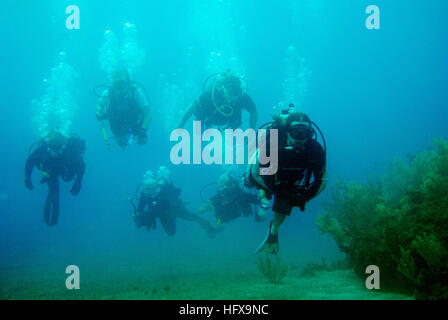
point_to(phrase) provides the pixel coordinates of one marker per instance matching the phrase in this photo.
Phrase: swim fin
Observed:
(269, 239)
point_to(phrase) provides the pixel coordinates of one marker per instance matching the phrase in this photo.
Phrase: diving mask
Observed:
(300, 131)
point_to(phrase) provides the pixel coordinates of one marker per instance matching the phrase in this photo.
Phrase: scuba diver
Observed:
(126, 106)
(221, 103)
(301, 173)
(159, 198)
(231, 202)
(56, 155)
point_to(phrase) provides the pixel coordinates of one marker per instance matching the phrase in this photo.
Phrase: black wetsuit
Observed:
(236, 204)
(167, 206)
(68, 165)
(207, 112)
(299, 175)
(124, 112)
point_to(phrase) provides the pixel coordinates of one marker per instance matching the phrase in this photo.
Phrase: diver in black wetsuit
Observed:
(159, 198)
(56, 155)
(231, 202)
(221, 103)
(126, 107)
(301, 173)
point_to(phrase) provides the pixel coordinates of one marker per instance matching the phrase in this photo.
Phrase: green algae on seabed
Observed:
(398, 222)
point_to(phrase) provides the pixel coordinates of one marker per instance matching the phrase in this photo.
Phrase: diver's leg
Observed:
(47, 208)
(183, 213)
(115, 127)
(120, 133)
(54, 212)
(51, 209)
(122, 141)
(281, 209)
(279, 218)
(169, 224)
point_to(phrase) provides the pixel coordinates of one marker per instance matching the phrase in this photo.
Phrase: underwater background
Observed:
(375, 94)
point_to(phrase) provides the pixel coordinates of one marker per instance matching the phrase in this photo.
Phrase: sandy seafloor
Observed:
(214, 282)
(149, 265)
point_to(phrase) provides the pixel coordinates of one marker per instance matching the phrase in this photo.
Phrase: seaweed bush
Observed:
(398, 222)
(274, 270)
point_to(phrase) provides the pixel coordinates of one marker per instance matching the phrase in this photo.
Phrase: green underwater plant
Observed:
(398, 222)
(431, 250)
(407, 266)
(273, 269)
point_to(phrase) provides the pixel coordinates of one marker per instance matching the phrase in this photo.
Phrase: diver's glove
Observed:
(75, 188)
(28, 184)
(142, 136)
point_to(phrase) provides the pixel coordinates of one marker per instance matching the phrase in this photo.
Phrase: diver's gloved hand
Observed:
(142, 136)
(28, 184)
(75, 189)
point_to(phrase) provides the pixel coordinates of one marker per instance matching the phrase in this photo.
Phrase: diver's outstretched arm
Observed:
(146, 117)
(249, 105)
(206, 207)
(79, 175)
(142, 133)
(253, 118)
(185, 214)
(142, 202)
(29, 166)
(318, 171)
(187, 115)
(30, 162)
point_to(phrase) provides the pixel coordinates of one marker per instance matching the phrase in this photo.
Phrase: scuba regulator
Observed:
(291, 109)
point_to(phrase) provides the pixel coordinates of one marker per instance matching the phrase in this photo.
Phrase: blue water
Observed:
(376, 94)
